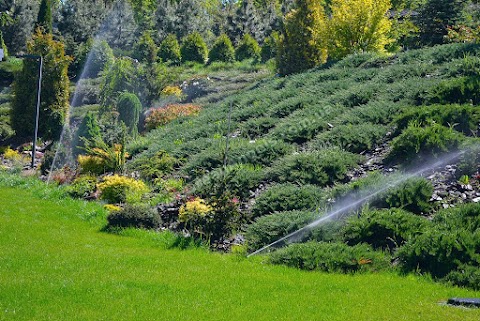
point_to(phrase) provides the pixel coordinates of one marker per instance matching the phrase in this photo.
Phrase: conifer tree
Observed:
(89, 130)
(304, 43)
(44, 19)
(358, 26)
(55, 89)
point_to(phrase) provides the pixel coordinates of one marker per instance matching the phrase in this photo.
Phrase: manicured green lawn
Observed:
(55, 265)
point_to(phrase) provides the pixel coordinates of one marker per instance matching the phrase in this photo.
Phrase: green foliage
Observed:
(129, 108)
(417, 143)
(463, 118)
(465, 276)
(270, 47)
(169, 50)
(331, 257)
(287, 197)
(121, 189)
(248, 48)
(465, 216)
(194, 48)
(383, 229)
(438, 252)
(120, 77)
(54, 92)
(3, 46)
(459, 90)
(435, 16)
(44, 19)
(303, 45)
(318, 167)
(145, 49)
(222, 50)
(100, 58)
(412, 195)
(258, 126)
(239, 180)
(82, 187)
(88, 130)
(137, 216)
(156, 166)
(358, 26)
(352, 138)
(269, 228)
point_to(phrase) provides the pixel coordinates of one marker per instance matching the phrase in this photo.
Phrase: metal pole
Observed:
(37, 113)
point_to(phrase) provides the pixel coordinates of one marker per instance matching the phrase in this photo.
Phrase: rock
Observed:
(476, 200)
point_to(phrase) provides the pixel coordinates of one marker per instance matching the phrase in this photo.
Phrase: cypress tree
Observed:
(44, 19)
(89, 130)
(129, 108)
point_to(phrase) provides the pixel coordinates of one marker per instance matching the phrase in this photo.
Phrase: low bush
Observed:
(239, 180)
(169, 50)
(82, 187)
(459, 90)
(412, 195)
(418, 143)
(331, 257)
(287, 197)
(438, 251)
(353, 138)
(156, 166)
(161, 116)
(318, 167)
(248, 49)
(383, 229)
(465, 276)
(121, 189)
(466, 216)
(194, 48)
(269, 228)
(258, 126)
(222, 50)
(137, 216)
(93, 165)
(462, 118)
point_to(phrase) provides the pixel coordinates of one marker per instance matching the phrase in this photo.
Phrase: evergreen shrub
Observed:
(331, 257)
(136, 216)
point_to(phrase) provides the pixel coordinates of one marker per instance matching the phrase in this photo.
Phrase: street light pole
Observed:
(37, 111)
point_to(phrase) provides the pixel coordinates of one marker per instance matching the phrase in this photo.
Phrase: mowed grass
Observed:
(56, 265)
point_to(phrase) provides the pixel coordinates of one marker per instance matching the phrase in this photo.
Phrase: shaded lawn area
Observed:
(55, 265)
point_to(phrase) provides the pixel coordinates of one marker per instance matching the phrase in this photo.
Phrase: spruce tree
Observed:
(129, 108)
(89, 130)
(44, 19)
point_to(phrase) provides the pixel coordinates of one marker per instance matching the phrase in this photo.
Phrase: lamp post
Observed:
(37, 112)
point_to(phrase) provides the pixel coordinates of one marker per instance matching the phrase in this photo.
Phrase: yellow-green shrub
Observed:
(193, 210)
(11, 154)
(121, 189)
(91, 164)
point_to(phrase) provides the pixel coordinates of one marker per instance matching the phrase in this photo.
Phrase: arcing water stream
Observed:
(347, 205)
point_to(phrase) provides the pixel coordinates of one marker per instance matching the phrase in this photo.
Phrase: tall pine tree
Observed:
(44, 19)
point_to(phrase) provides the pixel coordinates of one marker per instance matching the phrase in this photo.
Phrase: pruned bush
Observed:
(384, 229)
(82, 187)
(169, 50)
(162, 116)
(137, 216)
(418, 143)
(240, 180)
(353, 138)
(318, 167)
(462, 118)
(222, 50)
(331, 257)
(194, 48)
(287, 197)
(248, 48)
(121, 189)
(269, 228)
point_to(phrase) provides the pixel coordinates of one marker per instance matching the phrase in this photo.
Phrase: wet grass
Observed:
(55, 264)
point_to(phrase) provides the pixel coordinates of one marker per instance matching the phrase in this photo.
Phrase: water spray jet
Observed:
(349, 204)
